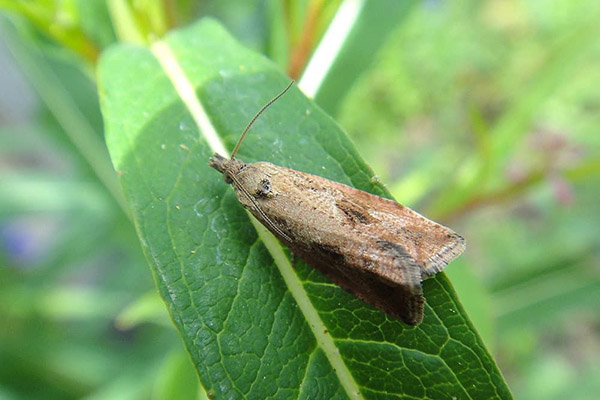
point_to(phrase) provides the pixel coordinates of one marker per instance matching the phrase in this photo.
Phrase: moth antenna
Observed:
(273, 100)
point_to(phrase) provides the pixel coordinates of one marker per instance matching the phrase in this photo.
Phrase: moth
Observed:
(373, 247)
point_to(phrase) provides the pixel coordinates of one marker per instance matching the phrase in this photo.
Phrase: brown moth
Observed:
(375, 248)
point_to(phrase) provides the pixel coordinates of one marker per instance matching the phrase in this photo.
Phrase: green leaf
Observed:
(146, 308)
(375, 21)
(177, 379)
(255, 326)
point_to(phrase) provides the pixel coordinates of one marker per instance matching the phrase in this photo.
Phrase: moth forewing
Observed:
(432, 245)
(375, 248)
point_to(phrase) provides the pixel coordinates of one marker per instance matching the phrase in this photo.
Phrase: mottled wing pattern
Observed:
(431, 245)
(390, 224)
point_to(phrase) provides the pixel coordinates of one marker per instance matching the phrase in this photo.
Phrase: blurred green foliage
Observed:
(482, 114)
(485, 116)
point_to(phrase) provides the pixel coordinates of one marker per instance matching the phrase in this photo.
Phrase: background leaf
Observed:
(374, 23)
(247, 332)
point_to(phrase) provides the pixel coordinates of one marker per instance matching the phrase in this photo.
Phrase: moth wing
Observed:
(373, 247)
(401, 300)
(430, 244)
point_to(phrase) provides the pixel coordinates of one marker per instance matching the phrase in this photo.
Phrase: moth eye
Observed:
(264, 189)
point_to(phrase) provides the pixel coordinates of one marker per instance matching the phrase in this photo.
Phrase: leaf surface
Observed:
(255, 326)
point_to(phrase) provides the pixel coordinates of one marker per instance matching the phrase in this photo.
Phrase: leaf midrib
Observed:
(186, 92)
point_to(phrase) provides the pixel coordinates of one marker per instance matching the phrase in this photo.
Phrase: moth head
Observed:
(255, 178)
(228, 167)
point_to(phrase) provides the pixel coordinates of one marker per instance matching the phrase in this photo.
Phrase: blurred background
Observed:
(483, 115)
